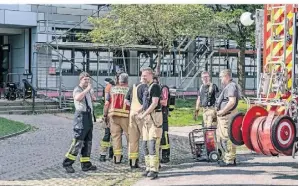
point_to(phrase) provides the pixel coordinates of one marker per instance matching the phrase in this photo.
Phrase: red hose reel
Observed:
(263, 131)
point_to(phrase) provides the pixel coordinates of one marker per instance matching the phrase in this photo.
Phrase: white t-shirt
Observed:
(81, 105)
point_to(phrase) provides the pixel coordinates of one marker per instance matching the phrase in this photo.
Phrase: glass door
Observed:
(4, 62)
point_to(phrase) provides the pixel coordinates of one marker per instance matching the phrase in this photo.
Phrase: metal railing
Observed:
(28, 85)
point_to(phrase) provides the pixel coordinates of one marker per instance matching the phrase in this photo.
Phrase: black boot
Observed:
(145, 173)
(136, 164)
(111, 152)
(103, 158)
(87, 166)
(121, 157)
(165, 156)
(153, 175)
(67, 164)
(165, 159)
(69, 169)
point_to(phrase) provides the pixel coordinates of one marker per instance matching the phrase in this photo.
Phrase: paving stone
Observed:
(35, 158)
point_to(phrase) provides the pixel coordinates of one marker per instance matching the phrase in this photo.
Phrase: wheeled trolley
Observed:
(203, 144)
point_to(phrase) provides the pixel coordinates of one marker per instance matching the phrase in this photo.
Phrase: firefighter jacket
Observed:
(117, 101)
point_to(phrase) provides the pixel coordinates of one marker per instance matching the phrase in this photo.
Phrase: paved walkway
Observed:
(34, 158)
(252, 169)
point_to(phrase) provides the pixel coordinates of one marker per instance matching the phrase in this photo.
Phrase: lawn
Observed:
(182, 115)
(9, 127)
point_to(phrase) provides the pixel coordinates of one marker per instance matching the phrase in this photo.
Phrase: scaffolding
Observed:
(181, 66)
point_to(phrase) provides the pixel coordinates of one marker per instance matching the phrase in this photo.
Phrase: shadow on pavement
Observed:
(210, 172)
(285, 176)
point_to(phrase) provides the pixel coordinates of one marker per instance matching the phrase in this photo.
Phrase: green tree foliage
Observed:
(157, 25)
(227, 19)
(160, 25)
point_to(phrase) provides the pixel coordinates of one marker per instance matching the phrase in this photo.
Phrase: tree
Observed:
(227, 19)
(157, 25)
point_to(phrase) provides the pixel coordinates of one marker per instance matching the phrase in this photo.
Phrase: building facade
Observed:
(38, 40)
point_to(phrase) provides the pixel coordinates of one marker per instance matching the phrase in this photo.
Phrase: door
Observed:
(4, 61)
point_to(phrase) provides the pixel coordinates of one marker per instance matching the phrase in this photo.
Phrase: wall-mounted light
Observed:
(247, 18)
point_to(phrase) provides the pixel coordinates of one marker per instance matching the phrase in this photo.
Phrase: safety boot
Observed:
(69, 169)
(87, 166)
(165, 156)
(111, 152)
(103, 158)
(153, 175)
(118, 162)
(136, 164)
(165, 159)
(145, 173)
(221, 163)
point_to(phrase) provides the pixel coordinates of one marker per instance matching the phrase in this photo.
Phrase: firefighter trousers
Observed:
(151, 135)
(165, 146)
(82, 141)
(229, 149)
(135, 132)
(209, 117)
(118, 125)
(105, 143)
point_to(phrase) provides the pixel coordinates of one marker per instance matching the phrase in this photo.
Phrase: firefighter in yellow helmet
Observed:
(118, 114)
(135, 99)
(152, 127)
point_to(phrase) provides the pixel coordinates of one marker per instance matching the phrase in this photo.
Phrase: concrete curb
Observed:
(15, 134)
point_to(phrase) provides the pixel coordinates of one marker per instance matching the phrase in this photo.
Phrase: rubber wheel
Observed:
(234, 128)
(214, 156)
(284, 139)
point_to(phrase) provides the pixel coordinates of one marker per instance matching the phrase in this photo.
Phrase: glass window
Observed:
(233, 62)
(78, 61)
(93, 61)
(55, 55)
(105, 56)
(93, 56)
(66, 65)
(223, 61)
(144, 62)
(232, 44)
(248, 61)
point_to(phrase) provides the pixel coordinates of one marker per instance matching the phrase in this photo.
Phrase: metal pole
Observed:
(60, 81)
(109, 67)
(258, 28)
(295, 60)
(124, 60)
(98, 61)
(36, 70)
(47, 30)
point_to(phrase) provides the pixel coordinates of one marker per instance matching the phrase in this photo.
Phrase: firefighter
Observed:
(206, 99)
(152, 127)
(135, 98)
(165, 146)
(105, 143)
(226, 105)
(83, 126)
(118, 114)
